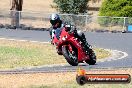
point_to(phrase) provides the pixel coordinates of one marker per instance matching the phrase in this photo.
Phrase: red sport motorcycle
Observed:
(72, 48)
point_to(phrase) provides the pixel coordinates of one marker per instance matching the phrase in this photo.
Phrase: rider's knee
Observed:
(80, 33)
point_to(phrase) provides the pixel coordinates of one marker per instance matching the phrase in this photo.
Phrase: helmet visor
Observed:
(53, 22)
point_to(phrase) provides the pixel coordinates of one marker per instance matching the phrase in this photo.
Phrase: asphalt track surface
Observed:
(115, 41)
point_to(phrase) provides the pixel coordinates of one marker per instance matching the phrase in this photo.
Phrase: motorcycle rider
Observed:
(57, 26)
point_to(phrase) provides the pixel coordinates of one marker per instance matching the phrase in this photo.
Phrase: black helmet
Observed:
(54, 19)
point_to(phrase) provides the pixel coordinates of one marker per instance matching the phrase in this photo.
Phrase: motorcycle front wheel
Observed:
(71, 58)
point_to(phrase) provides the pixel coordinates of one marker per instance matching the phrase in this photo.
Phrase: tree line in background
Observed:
(17, 5)
(116, 8)
(16, 8)
(119, 8)
(71, 6)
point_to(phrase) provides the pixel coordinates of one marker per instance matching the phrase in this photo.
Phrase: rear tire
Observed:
(71, 59)
(92, 58)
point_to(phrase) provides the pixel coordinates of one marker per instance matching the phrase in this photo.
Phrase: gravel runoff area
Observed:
(58, 80)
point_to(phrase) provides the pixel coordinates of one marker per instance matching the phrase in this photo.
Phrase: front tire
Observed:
(92, 58)
(71, 58)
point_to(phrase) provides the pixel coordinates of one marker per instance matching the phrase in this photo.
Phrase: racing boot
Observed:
(86, 47)
(85, 44)
(81, 37)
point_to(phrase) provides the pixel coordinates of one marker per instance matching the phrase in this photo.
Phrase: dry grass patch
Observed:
(22, 54)
(30, 5)
(93, 26)
(15, 54)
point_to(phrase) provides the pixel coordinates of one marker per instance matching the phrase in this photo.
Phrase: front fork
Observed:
(70, 48)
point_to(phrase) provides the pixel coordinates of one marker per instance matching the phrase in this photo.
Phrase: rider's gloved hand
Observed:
(67, 27)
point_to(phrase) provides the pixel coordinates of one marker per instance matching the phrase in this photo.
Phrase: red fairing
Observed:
(68, 39)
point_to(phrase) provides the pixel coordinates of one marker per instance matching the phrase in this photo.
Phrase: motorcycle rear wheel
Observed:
(92, 57)
(71, 58)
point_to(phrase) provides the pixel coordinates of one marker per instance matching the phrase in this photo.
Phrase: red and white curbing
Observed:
(22, 40)
(115, 55)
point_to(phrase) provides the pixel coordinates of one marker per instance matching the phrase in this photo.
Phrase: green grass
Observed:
(11, 57)
(23, 54)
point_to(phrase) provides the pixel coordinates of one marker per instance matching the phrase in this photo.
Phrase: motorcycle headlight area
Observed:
(64, 38)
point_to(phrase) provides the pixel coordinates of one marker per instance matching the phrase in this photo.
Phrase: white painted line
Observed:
(22, 40)
(38, 67)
